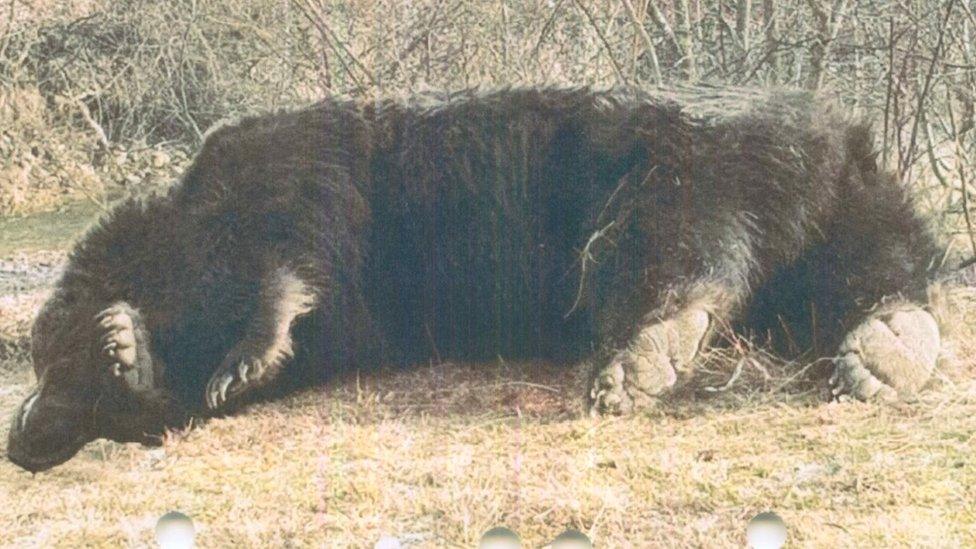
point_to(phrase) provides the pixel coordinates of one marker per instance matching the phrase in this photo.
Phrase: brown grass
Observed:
(100, 79)
(438, 454)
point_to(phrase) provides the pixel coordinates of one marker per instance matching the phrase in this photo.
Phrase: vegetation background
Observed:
(103, 97)
(86, 85)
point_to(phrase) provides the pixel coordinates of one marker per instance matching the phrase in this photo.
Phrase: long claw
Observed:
(111, 311)
(224, 384)
(120, 321)
(211, 396)
(231, 379)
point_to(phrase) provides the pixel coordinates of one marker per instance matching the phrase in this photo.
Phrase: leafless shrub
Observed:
(141, 71)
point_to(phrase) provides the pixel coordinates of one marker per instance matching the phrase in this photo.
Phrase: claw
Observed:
(119, 321)
(124, 336)
(224, 384)
(111, 311)
(211, 396)
(217, 390)
(108, 337)
(242, 370)
(119, 368)
(233, 378)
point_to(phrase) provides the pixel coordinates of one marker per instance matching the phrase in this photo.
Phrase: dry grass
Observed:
(45, 163)
(439, 454)
(85, 81)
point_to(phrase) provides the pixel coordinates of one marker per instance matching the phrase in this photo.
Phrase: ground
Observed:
(438, 454)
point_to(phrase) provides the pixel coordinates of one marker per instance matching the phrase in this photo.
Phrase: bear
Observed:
(621, 228)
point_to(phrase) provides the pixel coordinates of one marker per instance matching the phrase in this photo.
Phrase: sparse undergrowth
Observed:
(45, 163)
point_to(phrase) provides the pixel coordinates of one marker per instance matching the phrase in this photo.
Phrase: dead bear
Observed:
(615, 227)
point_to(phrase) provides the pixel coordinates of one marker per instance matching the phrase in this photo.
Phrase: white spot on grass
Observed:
(174, 530)
(766, 531)
(388, 542)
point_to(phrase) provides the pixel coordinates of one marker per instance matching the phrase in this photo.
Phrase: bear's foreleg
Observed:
(267, 344)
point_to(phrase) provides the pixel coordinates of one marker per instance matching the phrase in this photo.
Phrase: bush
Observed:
(132, 74)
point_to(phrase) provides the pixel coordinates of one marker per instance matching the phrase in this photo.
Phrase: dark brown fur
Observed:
(531, 222)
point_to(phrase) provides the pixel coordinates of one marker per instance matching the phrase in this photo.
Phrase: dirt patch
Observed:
(26, 279)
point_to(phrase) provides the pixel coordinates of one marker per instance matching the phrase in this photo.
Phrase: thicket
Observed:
(128, 87)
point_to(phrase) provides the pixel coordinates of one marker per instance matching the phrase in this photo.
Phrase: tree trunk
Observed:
(742, 16)
(685, 39)
(771, 26)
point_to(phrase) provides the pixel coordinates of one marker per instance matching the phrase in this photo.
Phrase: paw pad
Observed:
(891, 354)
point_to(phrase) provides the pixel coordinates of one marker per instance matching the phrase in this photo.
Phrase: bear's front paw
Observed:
(234, 377)
(118, 339)
(631, 381)
(636, 376)
(123, 348)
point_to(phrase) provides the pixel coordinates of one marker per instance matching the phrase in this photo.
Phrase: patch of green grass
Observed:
(54, 230)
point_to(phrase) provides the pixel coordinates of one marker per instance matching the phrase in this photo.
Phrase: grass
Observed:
(46, 230)
(438, 454)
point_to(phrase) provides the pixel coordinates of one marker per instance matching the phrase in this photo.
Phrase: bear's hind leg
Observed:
(664, 346)
(890, 355)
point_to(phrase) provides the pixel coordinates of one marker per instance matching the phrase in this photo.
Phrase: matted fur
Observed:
(517, 223)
